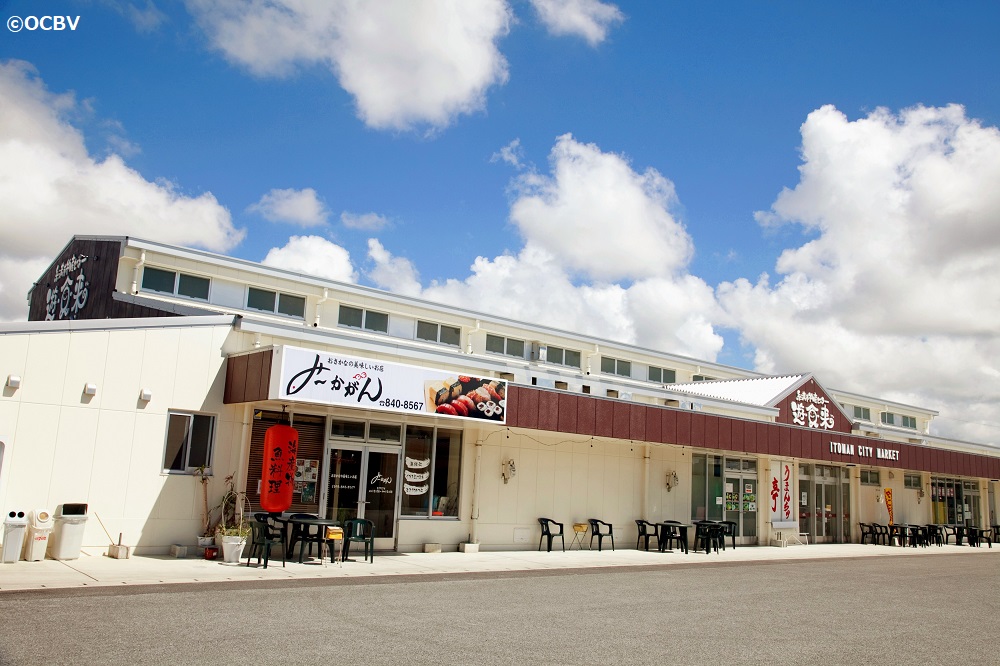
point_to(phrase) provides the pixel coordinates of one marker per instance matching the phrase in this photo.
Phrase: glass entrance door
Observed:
(364, 483)
(741, 501)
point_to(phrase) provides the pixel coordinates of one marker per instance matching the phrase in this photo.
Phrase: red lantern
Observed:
(281, 447)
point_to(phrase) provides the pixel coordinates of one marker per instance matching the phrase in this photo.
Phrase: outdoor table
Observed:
(898, 530)
(682, 528)
(319, 538)
(917, 535)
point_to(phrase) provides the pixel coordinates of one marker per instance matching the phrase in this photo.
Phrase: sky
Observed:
(785, 187)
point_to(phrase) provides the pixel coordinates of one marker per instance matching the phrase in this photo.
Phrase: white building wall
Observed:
(107, 450)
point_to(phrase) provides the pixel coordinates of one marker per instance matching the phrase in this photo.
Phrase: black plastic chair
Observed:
(647, 531)
(302, 533)
(549, 533)
(708, 535)
(359, 530)
(597, 530)
(881, 533)
(867, 533)
(935, 535)
(729, 529)
(262, 538)
(670, 535)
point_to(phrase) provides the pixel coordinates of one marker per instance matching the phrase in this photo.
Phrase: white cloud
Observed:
(396, 274)
(313, 255)
(300, 207)
(599, 217)
(589, 19)
(52, 188)
(407, 63)
(364, 222)
(592, 221)
(897, 294)
(512, 154)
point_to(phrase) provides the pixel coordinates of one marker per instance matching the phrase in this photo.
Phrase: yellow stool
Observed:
(579, 534)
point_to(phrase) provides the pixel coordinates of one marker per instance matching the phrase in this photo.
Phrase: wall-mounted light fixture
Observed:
(891, 475)
(672, 480)
(507, 470)
(90, 389)
(14, 381)
(878, 496)
(145, 395)
(920, 495)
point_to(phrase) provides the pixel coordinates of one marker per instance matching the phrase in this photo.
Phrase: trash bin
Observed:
(39, 529)
(14, 526)
(67, 537)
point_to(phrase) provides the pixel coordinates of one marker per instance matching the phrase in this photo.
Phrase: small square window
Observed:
(494, 343)
(909, 422)
(376, 321)
(870, 477)
(862, 413)
(572, 359)
(189, 442)
(347, 429)
(427, 331)
(261, 299)
(515, 348)
(451, 335)
(350, 316)
(555, 355)
(607, 365)
(193, 286)
(156, 279)
(888, 418)
(293, 306)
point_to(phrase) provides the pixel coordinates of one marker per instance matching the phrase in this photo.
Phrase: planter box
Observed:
(432, 548)
(469, 547)
(178, 551)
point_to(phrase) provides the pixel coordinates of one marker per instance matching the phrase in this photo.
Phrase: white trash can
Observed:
(14, 526)
(67, 537)
(39, 529)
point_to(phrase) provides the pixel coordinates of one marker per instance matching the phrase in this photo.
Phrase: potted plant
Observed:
(233, 530)
(207, 536)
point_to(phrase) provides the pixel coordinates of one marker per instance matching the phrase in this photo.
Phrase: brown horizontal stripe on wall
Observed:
(603, 417)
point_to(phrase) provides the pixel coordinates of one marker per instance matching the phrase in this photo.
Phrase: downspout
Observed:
(597, 350)
(244, 461)
(326, 294)
(468, 339)
(135, 272)
(476, 480)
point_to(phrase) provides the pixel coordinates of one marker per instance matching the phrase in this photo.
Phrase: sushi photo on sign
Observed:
(469, 397)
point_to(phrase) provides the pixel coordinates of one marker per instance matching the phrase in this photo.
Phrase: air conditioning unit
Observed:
(538, 352)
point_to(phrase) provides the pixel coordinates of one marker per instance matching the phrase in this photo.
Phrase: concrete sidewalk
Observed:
(99, 571)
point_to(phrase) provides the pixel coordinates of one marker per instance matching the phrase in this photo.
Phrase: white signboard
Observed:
(780, 492)
(307, 375)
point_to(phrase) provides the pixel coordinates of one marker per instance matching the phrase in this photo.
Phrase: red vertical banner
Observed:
(281, 447)
(888, 503)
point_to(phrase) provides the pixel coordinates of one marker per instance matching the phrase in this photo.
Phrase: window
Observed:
(888, 418)
(862, 413)
(270, 301)
(171, 282)
(561, 356)
(431, 466)
(449, 335)
(662, 375)
(189, 442)
(911, 481)
(369, 320)
(616, 366)
(702, 378)
(870, 477)
(496, 344)
(347, 429)
(909, 422)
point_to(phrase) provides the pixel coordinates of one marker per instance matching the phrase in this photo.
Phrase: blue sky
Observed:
(636, 133)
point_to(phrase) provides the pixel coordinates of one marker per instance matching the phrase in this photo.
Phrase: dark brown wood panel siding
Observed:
(621, 420)
(604, 425)
(97, 262)
(567, 413)
(637, 423)
(548, 410)
(586, 416)
(248, 377)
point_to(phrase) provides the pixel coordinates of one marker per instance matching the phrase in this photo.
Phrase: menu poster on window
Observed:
(779, 493)
(309, 375)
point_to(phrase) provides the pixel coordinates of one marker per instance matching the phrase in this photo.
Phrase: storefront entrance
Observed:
(364, 483)
(825, 503)
(741, 498)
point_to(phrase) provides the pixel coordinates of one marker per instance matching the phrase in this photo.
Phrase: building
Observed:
(143, 363)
